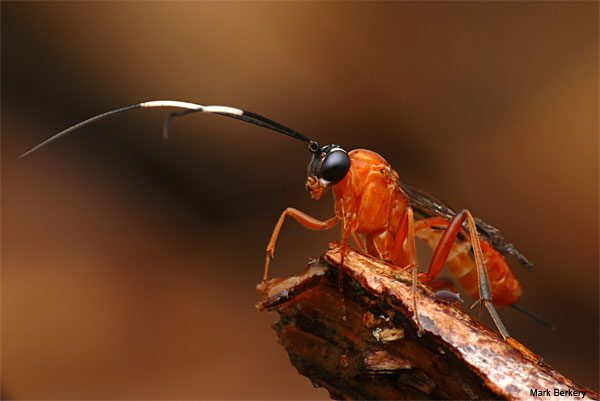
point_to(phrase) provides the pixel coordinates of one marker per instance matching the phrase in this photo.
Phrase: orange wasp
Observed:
(378, 211)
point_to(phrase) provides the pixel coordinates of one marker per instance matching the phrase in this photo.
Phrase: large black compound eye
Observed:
(335, 166)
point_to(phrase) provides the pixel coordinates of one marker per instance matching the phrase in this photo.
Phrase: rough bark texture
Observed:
(377, 353)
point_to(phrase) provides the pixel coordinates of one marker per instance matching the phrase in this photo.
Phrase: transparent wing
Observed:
(492, 235)
(424, 204)
(427, 205)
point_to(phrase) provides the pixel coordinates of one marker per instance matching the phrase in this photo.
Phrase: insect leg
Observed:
(358, 241)
(442, 251)
(406, 232)
(302, 218)
(441, 283)
(485, 292)
(346, 233)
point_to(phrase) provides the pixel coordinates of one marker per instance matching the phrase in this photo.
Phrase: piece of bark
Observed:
(375, 351)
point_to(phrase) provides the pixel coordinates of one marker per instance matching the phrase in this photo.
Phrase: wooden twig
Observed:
(376, 352)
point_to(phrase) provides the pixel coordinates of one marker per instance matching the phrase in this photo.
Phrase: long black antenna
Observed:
(226, 111)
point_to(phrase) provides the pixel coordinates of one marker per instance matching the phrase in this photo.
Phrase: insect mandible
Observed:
(379, 212)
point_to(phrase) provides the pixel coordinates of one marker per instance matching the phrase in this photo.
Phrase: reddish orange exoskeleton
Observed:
(378, 212)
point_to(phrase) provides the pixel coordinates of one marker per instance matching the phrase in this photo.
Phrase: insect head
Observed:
(326, 167)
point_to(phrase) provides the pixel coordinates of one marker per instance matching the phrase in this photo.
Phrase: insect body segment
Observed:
(369, 202)
(461, 263)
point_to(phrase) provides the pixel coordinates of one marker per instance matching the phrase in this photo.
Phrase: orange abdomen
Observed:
(461, 263)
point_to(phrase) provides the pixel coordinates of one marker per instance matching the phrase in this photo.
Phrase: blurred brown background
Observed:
(129, 263)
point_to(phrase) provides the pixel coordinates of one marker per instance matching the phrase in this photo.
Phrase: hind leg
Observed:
(442, 251)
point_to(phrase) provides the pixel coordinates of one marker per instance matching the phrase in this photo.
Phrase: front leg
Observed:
(302, 218)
